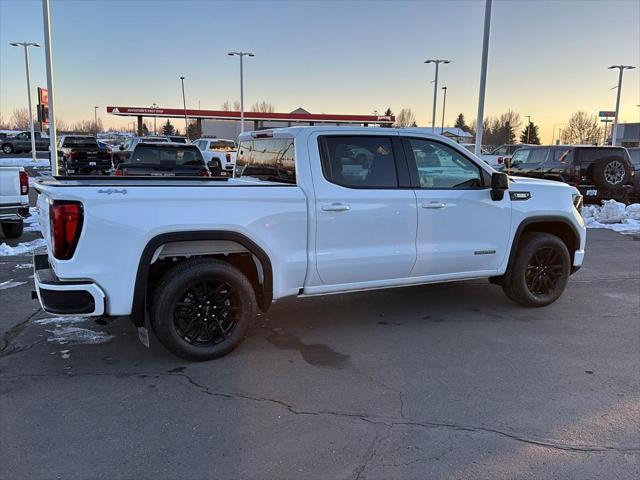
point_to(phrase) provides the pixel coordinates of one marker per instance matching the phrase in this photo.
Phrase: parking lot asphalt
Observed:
(442, 381)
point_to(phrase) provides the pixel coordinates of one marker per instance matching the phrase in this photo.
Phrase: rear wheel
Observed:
(8, 148)
(13, 229)
(540, 272)
(202, 308)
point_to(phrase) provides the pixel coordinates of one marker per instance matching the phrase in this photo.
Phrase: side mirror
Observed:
(499, 183)
(214, 168)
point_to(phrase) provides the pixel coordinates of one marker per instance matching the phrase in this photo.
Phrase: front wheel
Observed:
(7, 149)
(540, 272)
(202, 308)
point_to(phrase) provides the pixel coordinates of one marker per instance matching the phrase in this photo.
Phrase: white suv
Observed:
(218, 148)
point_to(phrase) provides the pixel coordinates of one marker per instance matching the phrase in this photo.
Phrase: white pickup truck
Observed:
(306, 214)
(14, 200)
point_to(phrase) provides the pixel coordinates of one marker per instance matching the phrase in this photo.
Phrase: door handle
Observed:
(336, 207)
(434, 205)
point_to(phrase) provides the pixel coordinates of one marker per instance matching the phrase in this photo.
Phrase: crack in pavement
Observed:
(13, 333)
(372, 451)
(387, 421)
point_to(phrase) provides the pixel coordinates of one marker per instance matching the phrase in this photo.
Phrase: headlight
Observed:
(577, 202)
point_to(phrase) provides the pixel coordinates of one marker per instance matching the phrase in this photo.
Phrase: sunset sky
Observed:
(547, 59)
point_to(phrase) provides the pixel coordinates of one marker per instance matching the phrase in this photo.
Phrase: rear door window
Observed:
(267, 159)
(359, 161)
(167, 156)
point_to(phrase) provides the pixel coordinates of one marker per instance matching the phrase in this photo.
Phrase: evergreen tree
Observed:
(460, 123)
(387, 113)
(168, 129)
(193, 132)
(530, 134)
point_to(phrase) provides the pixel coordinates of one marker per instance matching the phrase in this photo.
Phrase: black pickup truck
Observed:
(167, 160)
(79, 154)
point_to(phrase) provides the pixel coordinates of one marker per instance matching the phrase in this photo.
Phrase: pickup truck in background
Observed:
(164, 160)
(14, 200)
(304, 215)
(81, 154)
(122, 152)
(21, 143)
(500, 156)
(224, 151)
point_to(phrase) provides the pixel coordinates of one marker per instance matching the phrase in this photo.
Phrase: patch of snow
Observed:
(10, 284)
(76, 335)
(613, 216)
(24, 162)
(22, 266)
(33, 220)
(59, 321)
(24, 248)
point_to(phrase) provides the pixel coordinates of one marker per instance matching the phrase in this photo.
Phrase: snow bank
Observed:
(614, 216)
(31, 221)
(24, 162)
(24, 248)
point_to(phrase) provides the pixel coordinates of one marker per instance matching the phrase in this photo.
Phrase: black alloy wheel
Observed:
(544, 270)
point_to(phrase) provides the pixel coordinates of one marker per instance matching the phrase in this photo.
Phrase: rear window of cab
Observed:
(267, 159)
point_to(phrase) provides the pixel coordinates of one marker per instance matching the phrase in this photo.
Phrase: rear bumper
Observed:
(60, 297)
(14, 212)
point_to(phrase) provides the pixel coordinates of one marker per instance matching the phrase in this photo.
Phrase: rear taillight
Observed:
(119, 173)
(24, 183)
(66, 219)
(205, 173)
(500, 159)
(228, 156)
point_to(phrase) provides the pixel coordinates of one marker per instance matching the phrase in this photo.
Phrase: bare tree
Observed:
(20, 119)
(3, 125)
(86, 127)
(581, 129)
(405, 118)
(236, 105)
(263, 106)
(226, 106)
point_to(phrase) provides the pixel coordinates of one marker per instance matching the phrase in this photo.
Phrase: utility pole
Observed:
(53, 151)
(241, 55)
(483, 76)
(444, 104)
(435, 90)
(528, 117)
(95, 119)
(184, 105)
(26, 46)
(155, 116)
(614, 132)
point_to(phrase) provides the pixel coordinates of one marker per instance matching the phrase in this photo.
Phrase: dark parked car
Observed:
(22, 143)
(598, 172)
(82, 154)
(634, 153)
(122, 152)
(166, 160)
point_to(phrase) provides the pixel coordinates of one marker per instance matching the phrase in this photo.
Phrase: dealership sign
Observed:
(606, 113)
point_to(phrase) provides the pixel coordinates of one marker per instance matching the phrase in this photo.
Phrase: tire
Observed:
(611, 173)
(7, 149)
(176, 301)
(540, 271)
(13, 229)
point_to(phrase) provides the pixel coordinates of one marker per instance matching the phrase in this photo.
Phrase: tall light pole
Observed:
(95, 119)
(483, 76)
(241, 55)
(155, 113)
(444, 104)
(435, 90)
(528, 117)
(48, 50)
(26, 46)
(184, 105)
(553, 135)
(615, 119)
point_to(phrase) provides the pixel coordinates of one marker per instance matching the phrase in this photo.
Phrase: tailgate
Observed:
(10, 185)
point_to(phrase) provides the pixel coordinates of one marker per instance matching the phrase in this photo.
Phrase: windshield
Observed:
(222, 145)
(80, 142)
(148, 154)
(269, 159)
(634, 153)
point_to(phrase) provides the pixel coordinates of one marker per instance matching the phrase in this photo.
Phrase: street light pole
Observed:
(48, 50)
(444, 104)
(435, 90)
(615, 119)
(184, 105)
(155, 114)
(483, 76)
(528, 117)
(241, 55)
(26, 46)
(553, 134)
